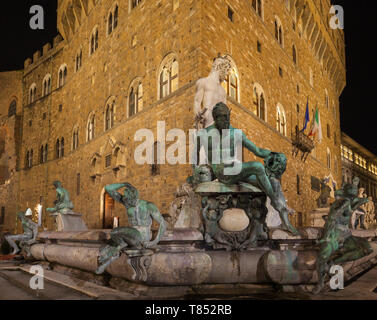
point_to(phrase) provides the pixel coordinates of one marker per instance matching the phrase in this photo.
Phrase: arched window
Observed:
(12, 108)
(257, 6)
(32, 93)
(259, 102)
(90, 127)
(110, 23)
(57, 149)
(29, 159)
(41, 154)
(79, 60)
(155, 167)
(294, 54)
(109, 115)
(135, 100)
(94, 41)
(311, 77)
(168, 76)
(328, 158)
(164, 83)
(327, 103)
(281, 120)
(45, 153)
(231, 83)
(46, 85)
(279, 31)
(62, 78)
(116, 13)
(134, 3)
(132, 103)
(75, 139)
(328, 131)
(62, 147)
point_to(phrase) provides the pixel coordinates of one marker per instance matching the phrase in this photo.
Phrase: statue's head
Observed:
(356, 181)
(276, 164)
(131, 194)
(370, 198)
(202, 173)
(222, 65)
(57, 184)
(221, 116)
(350, 190)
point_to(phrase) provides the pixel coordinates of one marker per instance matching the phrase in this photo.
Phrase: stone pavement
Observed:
(14, 285)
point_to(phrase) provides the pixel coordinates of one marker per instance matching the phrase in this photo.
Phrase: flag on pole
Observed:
(316, 126)
(307, 119)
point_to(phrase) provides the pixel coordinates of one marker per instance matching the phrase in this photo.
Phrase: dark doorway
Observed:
(108, 209)
(300, 221)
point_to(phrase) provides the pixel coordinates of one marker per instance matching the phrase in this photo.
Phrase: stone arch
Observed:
(137, 90)
(258, 6)
(168, 75)
(32, 93)
(93, 40)
(279, 30)
(227, 85)
(46, 85)
(113, 14)
(259, 101)
(75, 137)
(281, 120)
(62, 75)
(95, 165)
(90, 126)
(109, 113)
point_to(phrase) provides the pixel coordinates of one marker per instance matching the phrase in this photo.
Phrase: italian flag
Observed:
(316, 126)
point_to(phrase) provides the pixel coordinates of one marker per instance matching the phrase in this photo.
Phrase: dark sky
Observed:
(358, 100)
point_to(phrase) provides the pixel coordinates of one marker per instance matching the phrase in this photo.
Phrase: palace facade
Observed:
(357, 161)
(118, 66)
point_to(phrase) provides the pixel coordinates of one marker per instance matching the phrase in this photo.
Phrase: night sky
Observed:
(357, 103)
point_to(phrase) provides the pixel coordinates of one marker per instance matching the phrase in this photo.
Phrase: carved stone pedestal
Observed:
(69, 221)
(233, 215)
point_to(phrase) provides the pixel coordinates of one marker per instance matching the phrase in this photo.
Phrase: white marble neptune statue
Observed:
(209, 92)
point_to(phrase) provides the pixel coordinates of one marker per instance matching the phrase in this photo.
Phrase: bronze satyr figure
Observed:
(28, 237)
(140, 214)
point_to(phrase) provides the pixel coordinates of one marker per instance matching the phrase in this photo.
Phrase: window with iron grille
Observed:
(78, 184)
(315, 184)
(230, 14)
(298, 184)
(108, 161)
(2, 215)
